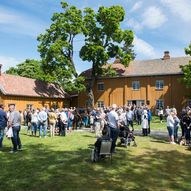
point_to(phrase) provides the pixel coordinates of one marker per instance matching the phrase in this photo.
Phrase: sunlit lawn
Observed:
(155, 124)
(63, 163)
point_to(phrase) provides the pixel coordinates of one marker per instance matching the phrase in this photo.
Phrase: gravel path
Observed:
(139, 132)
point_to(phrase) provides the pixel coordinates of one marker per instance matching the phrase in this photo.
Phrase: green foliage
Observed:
(186, 69)
(56, 47)
(104, 39)
(188, 50)
(30, 69)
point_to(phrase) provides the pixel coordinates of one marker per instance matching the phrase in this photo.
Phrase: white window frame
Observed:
(159, 84)
(100, 84)
(160, 103)
(100, 104)
(136, 85)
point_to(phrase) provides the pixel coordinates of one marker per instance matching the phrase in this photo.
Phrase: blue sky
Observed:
(158, 25)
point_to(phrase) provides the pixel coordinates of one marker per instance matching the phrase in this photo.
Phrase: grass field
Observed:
(155, 124)
(63, 163)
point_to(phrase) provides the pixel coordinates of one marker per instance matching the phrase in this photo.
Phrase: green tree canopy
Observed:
(56, 47)
(105, 39)
(31, 69)
(186, 69)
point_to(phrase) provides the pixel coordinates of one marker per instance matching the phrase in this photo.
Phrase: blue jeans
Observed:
(114, 133)
(176, 132)
(16, 139)
(1, 137)
(170, 131)
(34, 128)
(130, 123)
(42, 128)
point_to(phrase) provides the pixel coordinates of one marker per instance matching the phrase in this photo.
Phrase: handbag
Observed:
(9, 133)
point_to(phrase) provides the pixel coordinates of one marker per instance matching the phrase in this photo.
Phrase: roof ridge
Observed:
(12, 75)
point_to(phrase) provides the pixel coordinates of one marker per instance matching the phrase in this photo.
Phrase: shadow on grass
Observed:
(92, 134)
(40, 167)
(159, 139)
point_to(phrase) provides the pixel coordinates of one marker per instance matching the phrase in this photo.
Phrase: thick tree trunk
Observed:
(90, 102)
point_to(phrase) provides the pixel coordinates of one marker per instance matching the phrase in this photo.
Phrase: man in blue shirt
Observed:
(3, 123)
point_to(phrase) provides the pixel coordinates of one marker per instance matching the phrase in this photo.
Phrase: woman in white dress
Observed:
(145, 124)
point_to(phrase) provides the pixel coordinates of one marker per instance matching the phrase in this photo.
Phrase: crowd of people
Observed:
(110, 119)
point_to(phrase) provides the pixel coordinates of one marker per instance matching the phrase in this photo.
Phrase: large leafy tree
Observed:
(186, 69)
(56, 47)
(31, 69)
(105, 39)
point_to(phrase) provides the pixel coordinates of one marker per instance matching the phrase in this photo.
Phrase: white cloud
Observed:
(134, 24)
(8, 62)
(153, 17)
(136, 6)
(14, 22)
(181, 8)
(144, 48)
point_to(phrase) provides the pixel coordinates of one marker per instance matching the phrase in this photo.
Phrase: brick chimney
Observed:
(166, 55)
(0, 68)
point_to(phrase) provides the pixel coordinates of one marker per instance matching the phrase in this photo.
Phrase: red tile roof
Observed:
(147, 67)
(21, 86)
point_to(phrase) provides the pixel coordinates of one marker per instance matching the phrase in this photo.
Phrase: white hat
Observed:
(145, 111)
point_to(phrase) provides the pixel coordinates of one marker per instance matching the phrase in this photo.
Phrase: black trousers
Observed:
(145, 133)
(63, 129)
(114, 133)
(187, 135)
(139, 119)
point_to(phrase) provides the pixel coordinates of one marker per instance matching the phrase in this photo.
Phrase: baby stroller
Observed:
(126, 136)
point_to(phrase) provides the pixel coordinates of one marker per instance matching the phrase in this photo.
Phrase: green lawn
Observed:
(63, 163)
(155, 124)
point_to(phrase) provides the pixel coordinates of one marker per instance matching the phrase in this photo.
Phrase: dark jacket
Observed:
(3, 119)
(186, 121)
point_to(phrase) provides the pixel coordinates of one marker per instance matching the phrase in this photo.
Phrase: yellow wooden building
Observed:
(30, 93)
(154, 82)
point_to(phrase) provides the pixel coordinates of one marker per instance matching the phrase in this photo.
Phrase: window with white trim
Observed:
(100, 86)
(100, 104)
(135, 85)
(159, 84)
(159, 103)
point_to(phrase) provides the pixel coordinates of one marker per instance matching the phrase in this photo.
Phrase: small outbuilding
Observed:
(31, 93)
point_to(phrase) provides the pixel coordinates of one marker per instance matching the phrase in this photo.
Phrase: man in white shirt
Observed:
(42, 118)
(64, 122)
(113, 126)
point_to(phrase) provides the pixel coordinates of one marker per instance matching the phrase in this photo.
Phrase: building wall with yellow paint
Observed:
(22, 102)
(119, 91)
